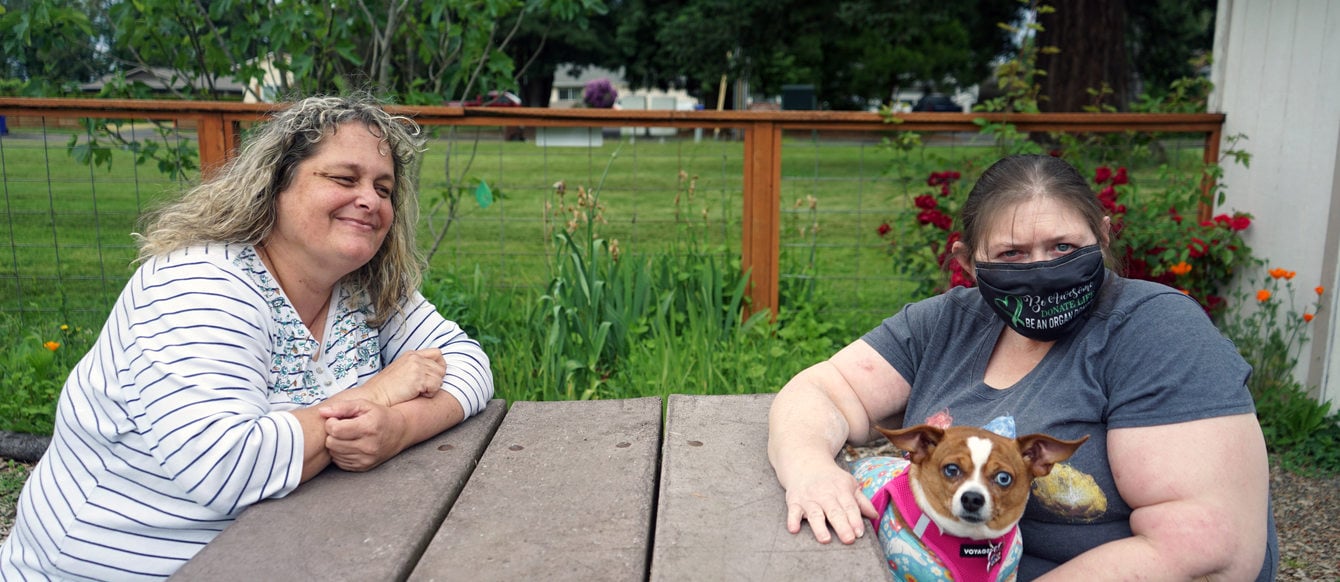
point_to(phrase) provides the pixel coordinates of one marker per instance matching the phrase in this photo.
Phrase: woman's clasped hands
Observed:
(362, 433)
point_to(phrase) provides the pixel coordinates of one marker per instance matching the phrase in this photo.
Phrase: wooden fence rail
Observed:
(218, 125)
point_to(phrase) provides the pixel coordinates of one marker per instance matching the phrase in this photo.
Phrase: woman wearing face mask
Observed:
(1173, 483)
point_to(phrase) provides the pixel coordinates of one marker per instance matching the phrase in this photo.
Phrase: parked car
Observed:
(497, 99)
(937, 102)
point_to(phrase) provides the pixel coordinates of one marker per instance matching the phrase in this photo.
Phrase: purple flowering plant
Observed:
(599, 94)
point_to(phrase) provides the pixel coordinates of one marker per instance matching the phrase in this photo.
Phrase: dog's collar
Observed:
(966, 558)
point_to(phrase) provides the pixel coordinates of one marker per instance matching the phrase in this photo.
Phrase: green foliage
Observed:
(174, 157)
(1270, 330)
(12, 476)
(33, 367)
(49, 43)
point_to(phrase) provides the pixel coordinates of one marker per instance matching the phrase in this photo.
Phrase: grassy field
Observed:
(68, 225)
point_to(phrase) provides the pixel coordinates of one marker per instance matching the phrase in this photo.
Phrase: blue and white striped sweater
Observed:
(174, 421)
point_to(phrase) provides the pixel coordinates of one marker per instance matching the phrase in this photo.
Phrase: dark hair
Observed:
(1018, 178)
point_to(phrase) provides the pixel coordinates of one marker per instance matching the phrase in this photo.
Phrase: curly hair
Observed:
(237, 204)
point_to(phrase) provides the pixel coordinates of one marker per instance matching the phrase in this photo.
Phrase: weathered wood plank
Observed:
(721, 515)
(565, 492)
(352, 526)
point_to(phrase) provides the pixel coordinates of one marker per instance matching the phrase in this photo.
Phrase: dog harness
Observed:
(915, 547)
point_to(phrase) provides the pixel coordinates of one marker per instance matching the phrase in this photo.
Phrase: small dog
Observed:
(971, 484)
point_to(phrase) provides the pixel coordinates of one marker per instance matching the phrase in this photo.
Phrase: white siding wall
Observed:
(1277, 77)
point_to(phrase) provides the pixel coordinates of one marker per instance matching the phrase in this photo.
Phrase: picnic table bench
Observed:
(590, 490)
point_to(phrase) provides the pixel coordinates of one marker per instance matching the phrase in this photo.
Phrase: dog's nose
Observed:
(972, 501)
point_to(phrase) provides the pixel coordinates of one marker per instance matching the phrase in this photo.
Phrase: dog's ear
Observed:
(918, 441)
(1042, 451)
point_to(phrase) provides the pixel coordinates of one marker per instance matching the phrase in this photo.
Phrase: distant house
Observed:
(570, 80)
(166, 80)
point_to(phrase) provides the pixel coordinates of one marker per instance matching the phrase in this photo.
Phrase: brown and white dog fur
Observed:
(974, 483)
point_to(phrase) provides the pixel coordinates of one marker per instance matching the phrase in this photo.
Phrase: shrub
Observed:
(1270, 329)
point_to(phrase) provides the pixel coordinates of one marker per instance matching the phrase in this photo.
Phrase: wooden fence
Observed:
(218, 126)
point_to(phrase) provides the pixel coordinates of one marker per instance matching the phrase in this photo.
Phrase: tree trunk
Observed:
(1091, 37)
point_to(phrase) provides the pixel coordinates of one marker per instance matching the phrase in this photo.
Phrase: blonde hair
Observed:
(237, 203)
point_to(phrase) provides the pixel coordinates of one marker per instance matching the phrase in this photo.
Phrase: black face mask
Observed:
(1044, 301)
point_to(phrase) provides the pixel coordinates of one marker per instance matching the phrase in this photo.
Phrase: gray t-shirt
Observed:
(1148, 355)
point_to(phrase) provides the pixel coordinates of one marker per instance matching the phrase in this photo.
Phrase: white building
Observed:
(1276, 74)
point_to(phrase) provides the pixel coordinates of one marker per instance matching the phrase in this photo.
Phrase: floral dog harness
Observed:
(914, 547)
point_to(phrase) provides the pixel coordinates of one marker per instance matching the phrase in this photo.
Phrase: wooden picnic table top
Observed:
(589, 490)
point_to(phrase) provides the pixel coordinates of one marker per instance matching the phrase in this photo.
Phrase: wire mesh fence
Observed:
(491, 203)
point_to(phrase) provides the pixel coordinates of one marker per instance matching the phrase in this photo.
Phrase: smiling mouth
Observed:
(359, 223)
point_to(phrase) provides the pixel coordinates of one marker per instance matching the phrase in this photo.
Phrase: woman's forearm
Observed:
(315, 457)
(804, 428)
(424, 418)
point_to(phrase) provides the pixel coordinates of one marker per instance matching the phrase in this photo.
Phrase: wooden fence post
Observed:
(212, 133)
(761, 248)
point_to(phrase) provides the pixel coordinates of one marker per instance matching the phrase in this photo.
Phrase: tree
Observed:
(1107, 51)
(52, 44)
(1089, 36)
(852, 51)
(545, 43)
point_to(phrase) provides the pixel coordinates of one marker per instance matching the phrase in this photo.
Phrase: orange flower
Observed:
(1276, 273)
(1180, 269)
(1184, 291)
(1263, 295)
(1288, 275)
(1320, 289)
(1307, 317)
(53, 346)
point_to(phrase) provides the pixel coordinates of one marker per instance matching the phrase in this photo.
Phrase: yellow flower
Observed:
(1180, 269)
(64, 327)
(1263, 296)
(53, 346)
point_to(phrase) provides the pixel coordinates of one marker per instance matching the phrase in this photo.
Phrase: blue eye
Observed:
(951, 471)
(1065, 247)
(1003, 479)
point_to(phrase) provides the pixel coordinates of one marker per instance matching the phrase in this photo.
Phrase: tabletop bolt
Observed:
(695, 443)
(624, 445)
(515, 448)
(445, 448)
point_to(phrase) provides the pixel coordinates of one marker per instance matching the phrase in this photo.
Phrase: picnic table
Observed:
(590, 490)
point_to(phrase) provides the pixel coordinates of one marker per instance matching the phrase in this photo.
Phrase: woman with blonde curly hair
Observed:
(273, 328)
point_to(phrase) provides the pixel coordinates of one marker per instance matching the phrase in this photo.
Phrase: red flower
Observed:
(1213, 303)
(957, 277)
(1102, 174)
(925, 202)
(1054, 153)
(1240, 222)
(883, 229)
(1175, 216)
(1224, 221)
(944, 189)
(1198, 248)
(1120, 178)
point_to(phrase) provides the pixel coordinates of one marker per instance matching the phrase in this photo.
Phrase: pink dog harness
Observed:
(968, 560)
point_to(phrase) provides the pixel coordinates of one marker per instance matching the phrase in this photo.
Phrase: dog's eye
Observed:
(952, 471)
(1004, 479)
